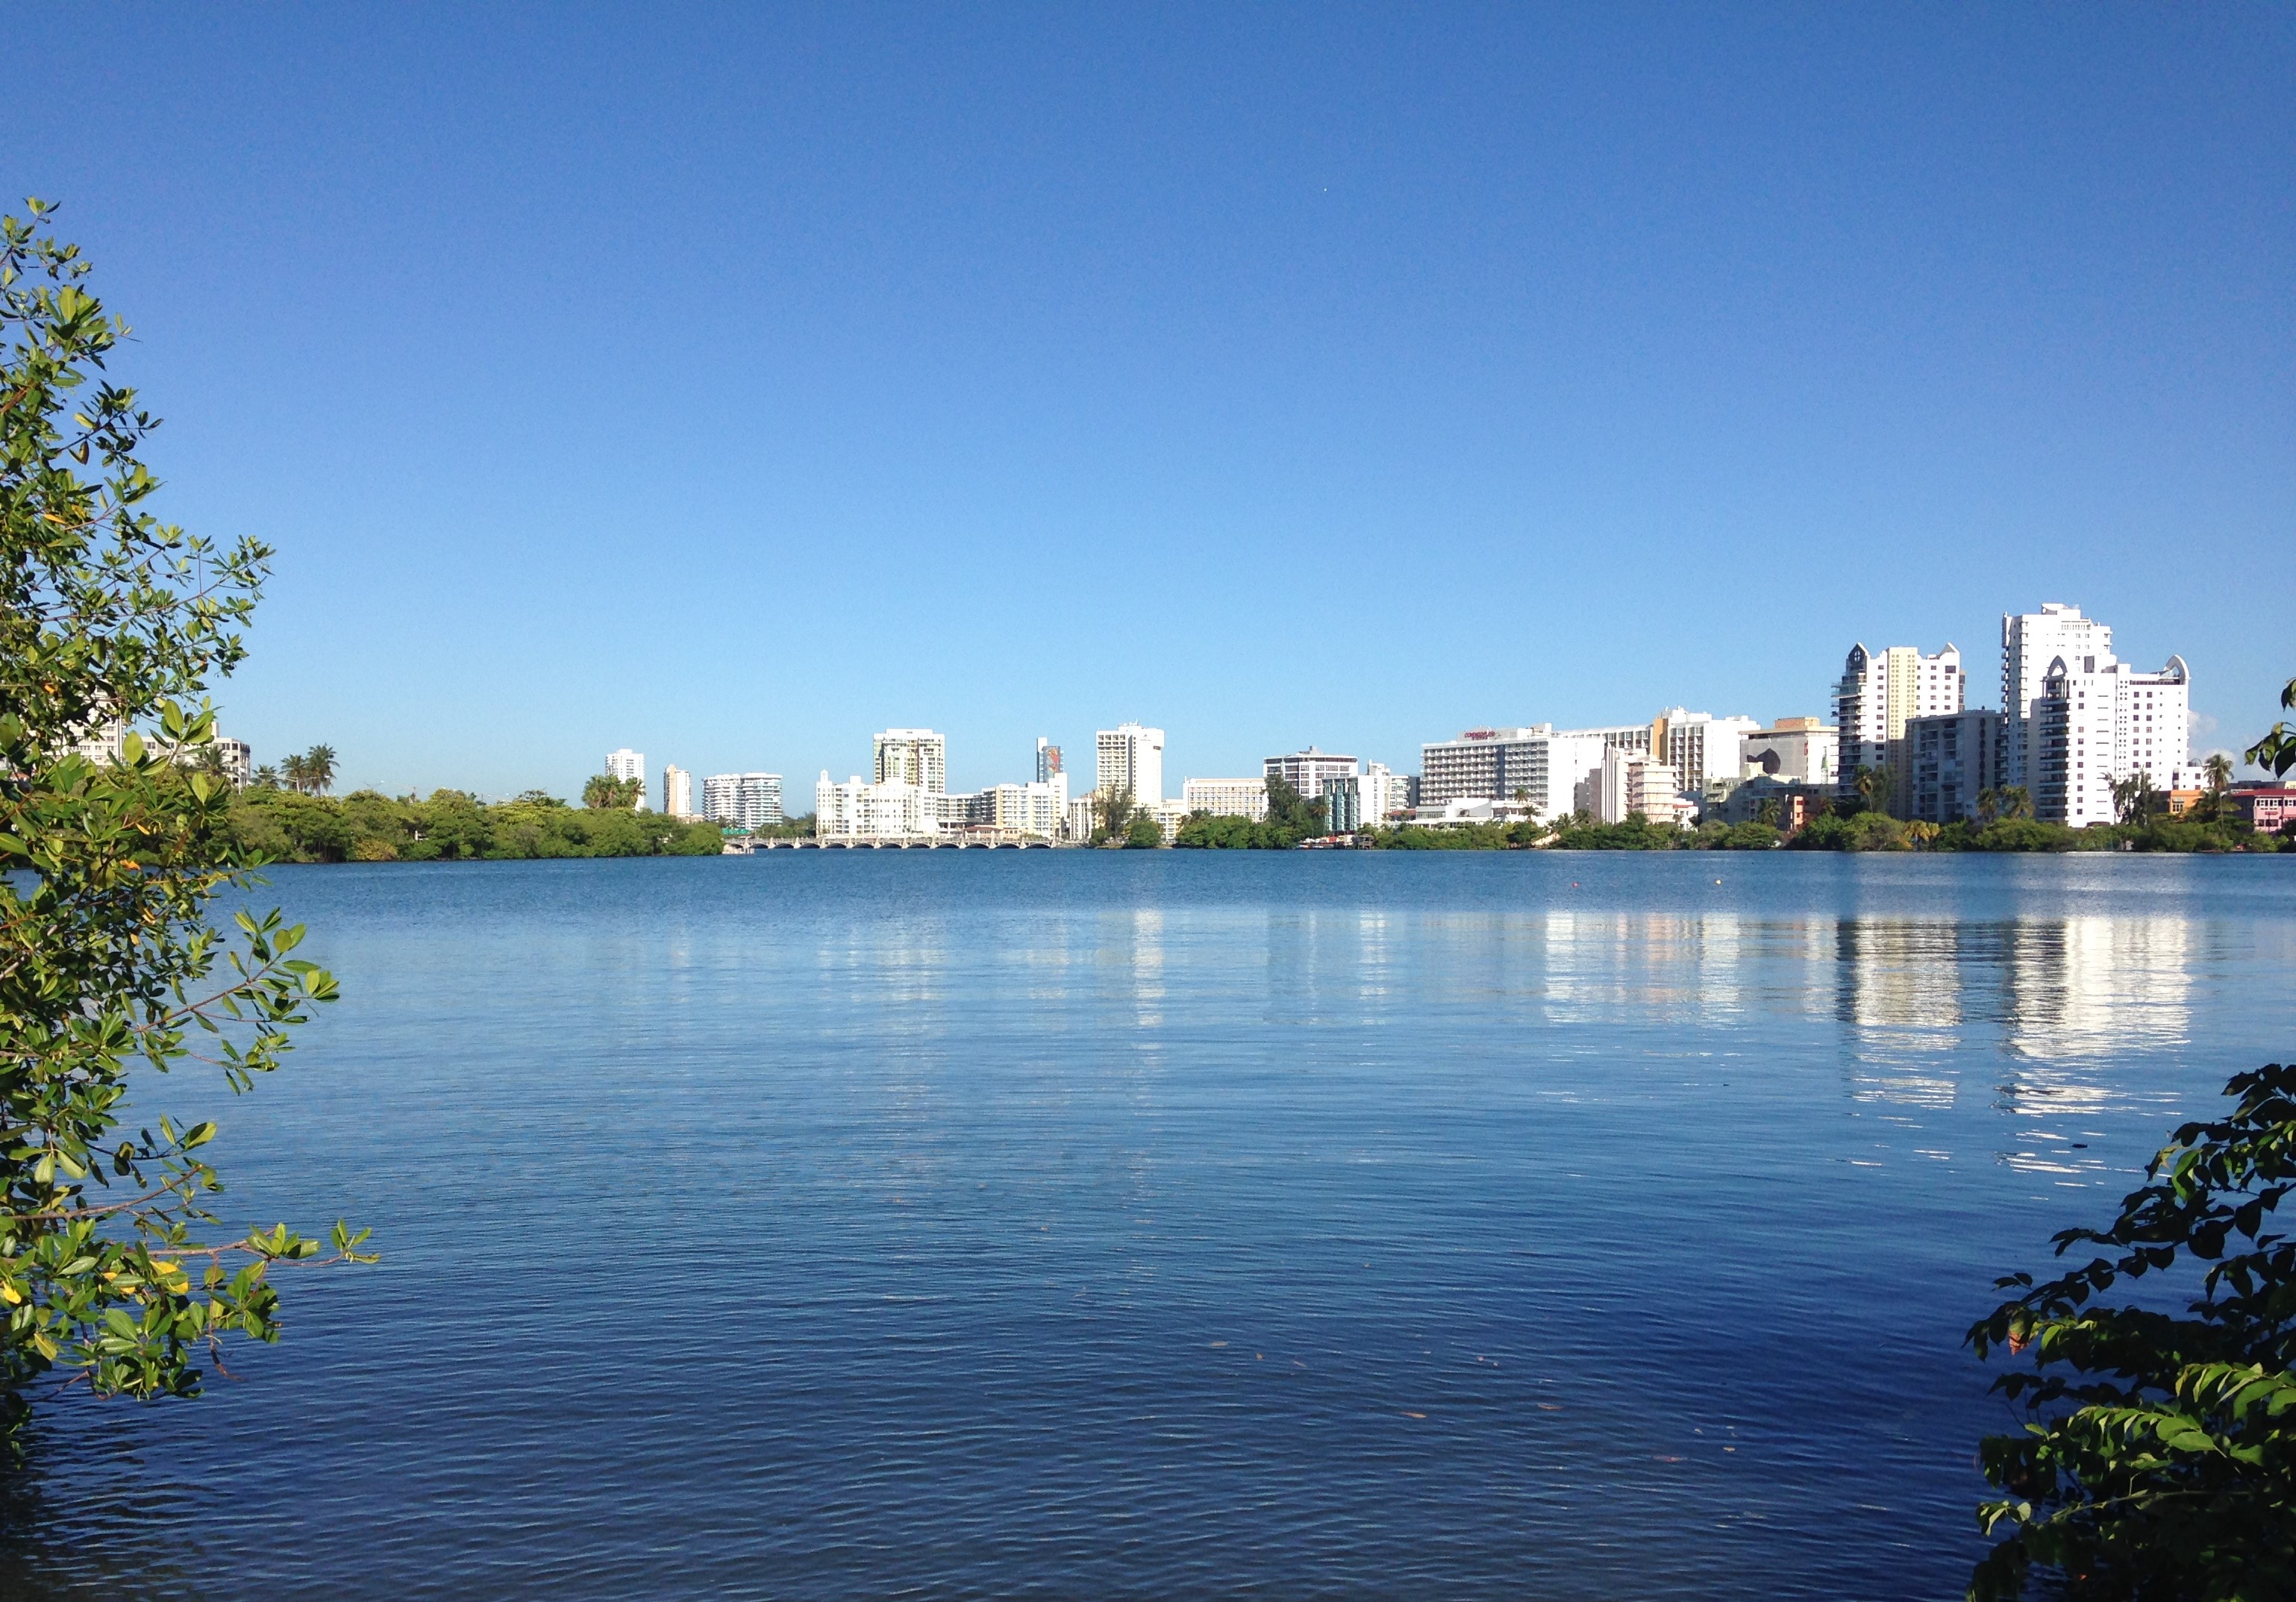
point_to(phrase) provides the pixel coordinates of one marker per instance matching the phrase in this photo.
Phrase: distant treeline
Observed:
(454, 826)
(1843, 831)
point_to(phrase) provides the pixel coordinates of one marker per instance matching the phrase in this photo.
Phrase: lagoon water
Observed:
(1162, 1225)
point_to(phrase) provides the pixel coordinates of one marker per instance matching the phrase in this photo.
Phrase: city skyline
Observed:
(1442, 370)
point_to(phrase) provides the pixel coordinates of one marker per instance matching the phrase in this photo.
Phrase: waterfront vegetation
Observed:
(286, 825)
(2159, 1452)
(115, 1274)
(1291, 818)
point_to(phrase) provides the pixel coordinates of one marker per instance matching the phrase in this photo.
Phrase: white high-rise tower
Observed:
(1131, 759)
(627, 764)
(2030, 642)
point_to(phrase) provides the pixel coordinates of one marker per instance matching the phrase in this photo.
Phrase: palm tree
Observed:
(1874, 784)
(2218, 768)
(603, 792)
(1988, 806)
(319, 768)
(267, 778)
(296, 772)
(2015, 801)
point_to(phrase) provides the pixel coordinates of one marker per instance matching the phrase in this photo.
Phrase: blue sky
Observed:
(731, 383)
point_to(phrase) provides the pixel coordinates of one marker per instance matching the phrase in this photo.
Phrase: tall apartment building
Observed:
(627, 764)
(103, 744)
(1950, 760)
(2029, 643)
(743, 801)
(1798, 750)
(1227, 798)
(1542, 764)
(1365, 800)
(2095, 720)
(1130, 759)
(1702, 750)
(1305, 771)
(1049, 760)
(913, 756)
(1877, 693)
(676, 792)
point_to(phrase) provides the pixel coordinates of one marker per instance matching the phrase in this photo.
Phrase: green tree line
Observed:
(451, 826)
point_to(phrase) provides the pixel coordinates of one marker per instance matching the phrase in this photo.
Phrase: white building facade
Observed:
(2030, 642)
(1227, 798)
(1366, 800)
(860, 809)
(1130, 761)
(629, 765)
(912, 756)
(1624, 782)
(1539, 767)
(1878, 691)
(1706, 753)
(1306, 771)
(2098, 721)
(743, 801)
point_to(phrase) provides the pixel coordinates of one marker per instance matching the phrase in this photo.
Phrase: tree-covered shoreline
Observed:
(453, 826)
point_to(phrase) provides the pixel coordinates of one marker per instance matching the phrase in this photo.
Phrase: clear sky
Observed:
(731, 383)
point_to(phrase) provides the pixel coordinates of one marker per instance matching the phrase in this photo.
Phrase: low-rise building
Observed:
(1227, 798)
(1169, 815)
(237, 758)
(1037, 808)
(896, 810)
(2267, 809)
(1950, 760)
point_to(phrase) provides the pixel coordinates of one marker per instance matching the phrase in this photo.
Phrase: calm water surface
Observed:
(1163, 1225)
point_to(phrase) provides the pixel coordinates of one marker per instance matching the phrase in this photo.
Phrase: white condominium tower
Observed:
(676, 792)
(913, 756)
(745, 800)
(627, 764)
(1131, 760)
(1305, 771)
(2097, 721)
(2030, 642)
(1878, 691)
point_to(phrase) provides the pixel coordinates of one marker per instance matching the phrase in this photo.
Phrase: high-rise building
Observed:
(1365, 800)
(1130, 759)
(2029, 643)
(1877, 693)
(1538, 767)
(743, 801)
(1039, 808)
(913, 756)
(1950, 760)
(1227, 798)
(102, 744)
(676, 792)
(1049, 760)
(626, 765)
(1305, 771)
(2097, 721)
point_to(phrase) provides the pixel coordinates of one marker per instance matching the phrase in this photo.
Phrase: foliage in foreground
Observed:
(2160, 1458)
(453, 826)
(113, 1269)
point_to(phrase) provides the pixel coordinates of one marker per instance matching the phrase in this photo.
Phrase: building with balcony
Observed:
(1130, 761)
(912, 756)
(743, 801)
(1950, 760)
